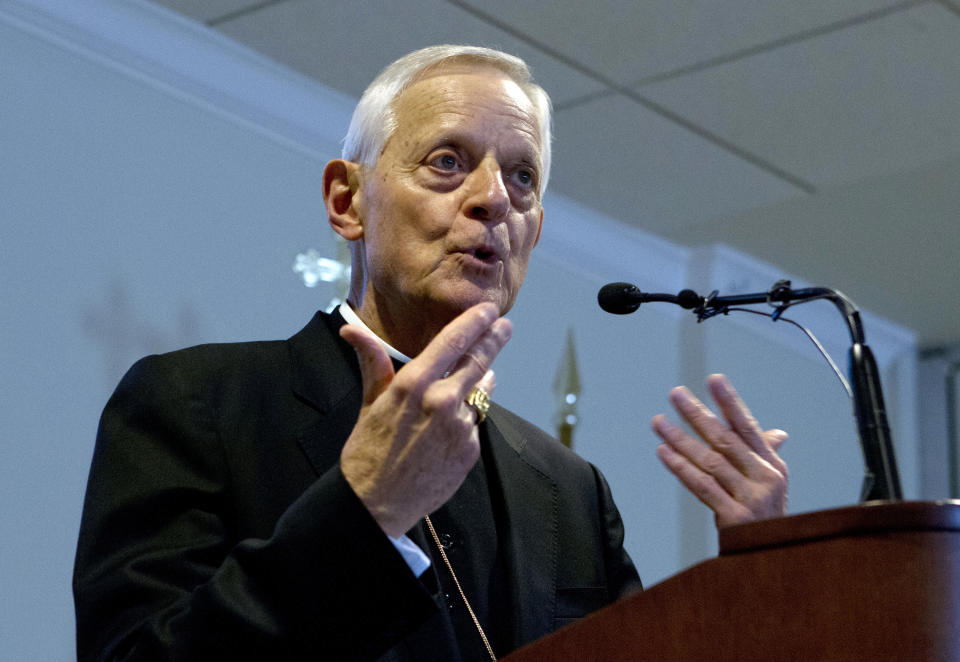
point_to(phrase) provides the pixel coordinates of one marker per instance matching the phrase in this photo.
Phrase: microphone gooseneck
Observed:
(881, 479)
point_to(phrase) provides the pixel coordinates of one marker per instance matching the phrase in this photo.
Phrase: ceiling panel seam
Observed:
(585, 98)
(650, 105)
(788, 40)
(950, 5)
(240, 13)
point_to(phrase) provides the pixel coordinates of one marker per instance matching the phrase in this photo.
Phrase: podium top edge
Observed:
(864, 518)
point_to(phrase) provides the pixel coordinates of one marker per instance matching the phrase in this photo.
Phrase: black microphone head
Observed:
(618, 298)
(688, 299)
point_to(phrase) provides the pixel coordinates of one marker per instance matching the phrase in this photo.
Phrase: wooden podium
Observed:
(878, 581)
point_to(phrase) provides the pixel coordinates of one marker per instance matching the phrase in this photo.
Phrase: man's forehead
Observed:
(455, 66)
(453, 95)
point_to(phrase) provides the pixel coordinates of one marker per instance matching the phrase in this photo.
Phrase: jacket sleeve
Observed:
(160, 573)
(622, 577)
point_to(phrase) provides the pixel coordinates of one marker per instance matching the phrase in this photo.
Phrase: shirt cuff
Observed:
(415, 557)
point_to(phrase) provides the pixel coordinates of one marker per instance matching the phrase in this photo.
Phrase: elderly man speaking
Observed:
(351, 493)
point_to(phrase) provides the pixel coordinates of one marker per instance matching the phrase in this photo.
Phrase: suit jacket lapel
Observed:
(326, 382)
(531, 501)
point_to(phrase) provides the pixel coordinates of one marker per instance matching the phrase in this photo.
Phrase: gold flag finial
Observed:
(566, 386)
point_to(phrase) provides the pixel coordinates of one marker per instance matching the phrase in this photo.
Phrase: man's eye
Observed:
(446, 162)
(525, 177)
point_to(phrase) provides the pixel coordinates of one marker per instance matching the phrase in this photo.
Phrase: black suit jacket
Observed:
(217, 524)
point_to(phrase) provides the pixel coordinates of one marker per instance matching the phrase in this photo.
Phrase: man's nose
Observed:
(487, 197)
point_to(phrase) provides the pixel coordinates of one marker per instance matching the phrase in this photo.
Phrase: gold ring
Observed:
(480, 401)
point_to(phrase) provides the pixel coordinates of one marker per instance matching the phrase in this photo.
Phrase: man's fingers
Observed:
(703, 466)
(711, 429)
(734, 497)
(376, 368)
(775, 438)
(468, 343)
(486, 384)
(736, 470)
(705, 487)
(457, 337)
(737, 415)
(475, 363)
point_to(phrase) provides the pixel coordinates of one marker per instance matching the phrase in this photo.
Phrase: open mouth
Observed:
(483, 254)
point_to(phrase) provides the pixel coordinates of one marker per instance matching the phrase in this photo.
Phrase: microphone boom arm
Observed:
(881, 479)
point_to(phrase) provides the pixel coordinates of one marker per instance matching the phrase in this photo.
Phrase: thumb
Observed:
(376, 368)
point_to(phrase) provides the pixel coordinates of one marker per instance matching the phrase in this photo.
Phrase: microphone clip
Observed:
(706, 309)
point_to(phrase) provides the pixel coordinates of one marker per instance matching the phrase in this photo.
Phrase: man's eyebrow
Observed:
(525, 150)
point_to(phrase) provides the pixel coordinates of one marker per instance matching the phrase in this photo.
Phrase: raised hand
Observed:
(416, 438)
(735, 469)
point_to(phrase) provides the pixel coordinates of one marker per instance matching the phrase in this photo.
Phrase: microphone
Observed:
(881, 480)
(624, 298)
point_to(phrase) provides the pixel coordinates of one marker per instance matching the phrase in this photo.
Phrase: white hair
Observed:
(374, 121)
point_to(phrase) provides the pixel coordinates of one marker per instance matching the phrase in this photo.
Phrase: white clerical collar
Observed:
(352, 318)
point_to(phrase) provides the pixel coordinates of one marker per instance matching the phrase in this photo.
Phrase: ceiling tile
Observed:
(615, 156)
(891, 243)
(874, 99)
(345, 43)
(208, 9)
(628, 41)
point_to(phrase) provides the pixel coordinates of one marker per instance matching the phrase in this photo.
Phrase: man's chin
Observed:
(464, 300)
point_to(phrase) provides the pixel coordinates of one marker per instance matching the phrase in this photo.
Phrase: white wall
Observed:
(134, 220)
(146, 205)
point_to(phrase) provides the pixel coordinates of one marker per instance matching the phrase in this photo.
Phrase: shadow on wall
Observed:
(123, 333)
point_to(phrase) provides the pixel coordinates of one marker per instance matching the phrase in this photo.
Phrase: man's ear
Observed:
(341, 184)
